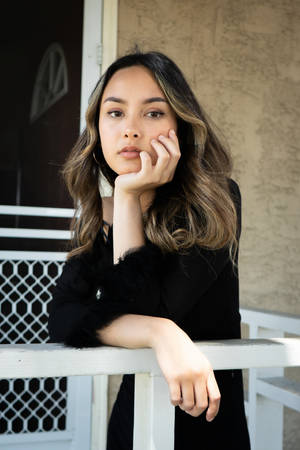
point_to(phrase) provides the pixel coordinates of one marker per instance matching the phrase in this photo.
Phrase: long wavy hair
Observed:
(195, 208)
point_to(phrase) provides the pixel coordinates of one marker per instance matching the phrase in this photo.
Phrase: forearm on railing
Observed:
(134, 331)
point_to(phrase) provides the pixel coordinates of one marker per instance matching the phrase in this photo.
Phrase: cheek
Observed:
(162, 128)
(106, 133)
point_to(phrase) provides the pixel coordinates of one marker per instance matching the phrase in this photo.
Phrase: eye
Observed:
(155, 114)
(114, 113)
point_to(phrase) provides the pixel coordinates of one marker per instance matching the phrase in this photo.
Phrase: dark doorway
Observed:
(34, 146)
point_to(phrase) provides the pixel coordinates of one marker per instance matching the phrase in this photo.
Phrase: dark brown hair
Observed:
(195, 207)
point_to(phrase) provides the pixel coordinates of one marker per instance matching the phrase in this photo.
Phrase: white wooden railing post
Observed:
(269, 413)
(265, 415)
(252, 393)
(99, 412)
(154, 415)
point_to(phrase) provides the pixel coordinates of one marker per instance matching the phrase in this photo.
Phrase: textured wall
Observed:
(242, 61)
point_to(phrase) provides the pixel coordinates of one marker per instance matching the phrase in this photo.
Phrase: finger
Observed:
(146, 161)
(166, 162)
(163, 156)
(201, 400)
(171, 144)
(173, 141)
(159, 147)
(214, 397)
(175, 393)
(188, 398)
(173, 136)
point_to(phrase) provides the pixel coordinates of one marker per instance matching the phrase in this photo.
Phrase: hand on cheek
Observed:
(153, 174)
(163, 138)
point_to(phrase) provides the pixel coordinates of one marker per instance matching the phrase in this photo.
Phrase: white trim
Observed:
(290, 323)
(110, 33)
(36, 211)
(99, 412)
(16, 255)
(91, 42)
(47, 360)
(24, 438)
(154, 417)
(80, 410)
(109, 54)
(90, 74)
(34, 233)
(280, 389)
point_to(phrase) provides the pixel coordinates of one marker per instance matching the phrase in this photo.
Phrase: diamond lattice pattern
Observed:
(29, 404)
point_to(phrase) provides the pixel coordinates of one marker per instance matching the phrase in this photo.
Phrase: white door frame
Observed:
(99, 45)
(91, 50)
(99, 50)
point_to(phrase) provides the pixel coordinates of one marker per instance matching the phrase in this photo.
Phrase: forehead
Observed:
(133, 82)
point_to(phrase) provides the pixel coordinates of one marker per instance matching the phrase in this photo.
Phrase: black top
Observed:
(199, 291)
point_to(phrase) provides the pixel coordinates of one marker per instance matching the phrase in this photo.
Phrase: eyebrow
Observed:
(147, 100)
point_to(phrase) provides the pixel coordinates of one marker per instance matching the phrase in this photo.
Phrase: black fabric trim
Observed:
(120, 285)
(99, 316)
(136, 270)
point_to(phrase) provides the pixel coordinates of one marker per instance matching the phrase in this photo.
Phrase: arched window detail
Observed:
(51, 82)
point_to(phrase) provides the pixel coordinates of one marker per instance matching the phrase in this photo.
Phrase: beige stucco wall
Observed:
(242, 60)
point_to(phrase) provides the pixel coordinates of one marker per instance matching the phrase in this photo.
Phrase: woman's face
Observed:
(133, 111)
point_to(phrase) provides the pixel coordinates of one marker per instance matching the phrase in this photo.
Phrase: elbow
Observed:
(80, 330)
(77, 334)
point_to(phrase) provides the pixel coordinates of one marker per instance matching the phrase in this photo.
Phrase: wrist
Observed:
(161, 329)
(125, 195)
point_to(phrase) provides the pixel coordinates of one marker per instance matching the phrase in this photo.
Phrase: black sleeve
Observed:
(91, 293)
(143, 282)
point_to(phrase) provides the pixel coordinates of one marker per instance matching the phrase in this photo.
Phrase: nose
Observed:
(131, 130)
(131, 133)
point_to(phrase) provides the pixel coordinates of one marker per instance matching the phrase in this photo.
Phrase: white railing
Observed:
(153, 412)
(26, 278)
(268, 389)
(39, 211)
(34, 233)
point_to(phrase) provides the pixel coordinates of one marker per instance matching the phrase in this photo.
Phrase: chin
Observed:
(131, 168)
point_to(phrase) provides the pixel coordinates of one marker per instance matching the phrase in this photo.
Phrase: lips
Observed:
(130, 149)
(130, 152)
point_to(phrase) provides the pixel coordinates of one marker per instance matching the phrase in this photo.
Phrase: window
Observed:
(51, 82)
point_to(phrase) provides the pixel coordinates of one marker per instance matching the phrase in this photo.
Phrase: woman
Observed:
(155, 265)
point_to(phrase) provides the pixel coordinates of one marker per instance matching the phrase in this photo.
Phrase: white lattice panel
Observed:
(33, 405)
(25, 290)
(37, 404)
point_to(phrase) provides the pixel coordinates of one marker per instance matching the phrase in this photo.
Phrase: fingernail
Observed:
(210, 419)
(153, 141)
(160, 136)
(172, 131)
